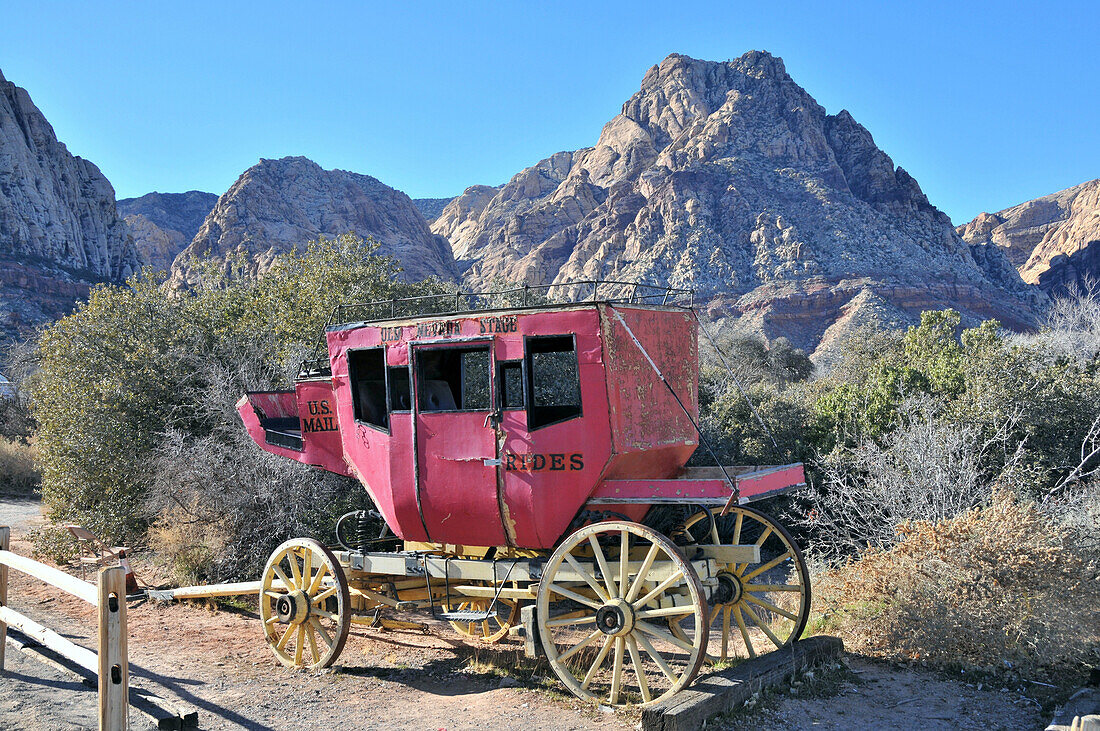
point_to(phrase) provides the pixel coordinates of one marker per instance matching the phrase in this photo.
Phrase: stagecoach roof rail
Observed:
(525, 297)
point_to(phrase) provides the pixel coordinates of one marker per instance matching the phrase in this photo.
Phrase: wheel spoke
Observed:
(307, 570)
(744, 631)
(326, 615)
(669, 673)
(624, 567)
(769, 565)
(773, 587)
(285, 638)
(295, 570)
(299, 645)
(316, 583)
(600, 657)
(737, 523)
(272, 619)
(661, 634)
(714, 614)
(570, 621)
(568, 594)
(771, 608)
(312, 643)
(601, 561)
(321, 631)
(325, 594)
(273, 594)
(588, 578)
(639, 580)
(763, 626)
(579, 646)
(287, 583)
(659, 589)
(617, 671)
(639, 671)
(666, 611)
(764, 537)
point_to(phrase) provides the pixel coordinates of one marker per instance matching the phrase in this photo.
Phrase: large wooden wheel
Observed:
(756, 607)
(492, 629)
(304, 605)
(602, 604)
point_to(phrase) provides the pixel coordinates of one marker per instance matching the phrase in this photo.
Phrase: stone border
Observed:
(729, 689)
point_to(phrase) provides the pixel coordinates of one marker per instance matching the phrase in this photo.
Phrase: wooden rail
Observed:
(109, 597)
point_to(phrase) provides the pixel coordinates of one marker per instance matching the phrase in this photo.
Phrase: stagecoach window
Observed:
(511, 384)
(454, 379)
(400, 395)
(554, 390)
(367, 373)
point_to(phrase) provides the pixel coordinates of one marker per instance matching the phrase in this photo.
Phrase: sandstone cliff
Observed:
(163, 224)
(1053, 241)
(59, 229)
(278, 204)
(730, 179)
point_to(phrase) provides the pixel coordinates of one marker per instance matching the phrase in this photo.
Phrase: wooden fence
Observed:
(109, 597)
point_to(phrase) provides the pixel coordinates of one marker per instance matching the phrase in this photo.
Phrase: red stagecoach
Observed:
(531, 454)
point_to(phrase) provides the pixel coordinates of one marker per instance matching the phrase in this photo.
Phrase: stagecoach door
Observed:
(456, 444)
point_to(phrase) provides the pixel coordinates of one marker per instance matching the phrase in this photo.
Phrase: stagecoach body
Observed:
(500, 444)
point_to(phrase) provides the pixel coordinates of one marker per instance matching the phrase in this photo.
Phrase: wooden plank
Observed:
(114, 668)
(726, 690)
(5, 536)
(50, 575)
(747, 553)
(82, 656)
(490, 592)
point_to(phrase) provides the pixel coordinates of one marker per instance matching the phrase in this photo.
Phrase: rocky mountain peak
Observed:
(278, 204)
(1054, 240)
(59, 228)
(731, 179)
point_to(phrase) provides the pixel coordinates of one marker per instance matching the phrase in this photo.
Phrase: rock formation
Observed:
(730, 179)
(430, 208)
(163, 224)
(59, 229)
(1053, 241)
(278, 204)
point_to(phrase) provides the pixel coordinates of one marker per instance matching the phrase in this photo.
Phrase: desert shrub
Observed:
(18, 475)
(998, 583)
(925, 470)
(137, 387)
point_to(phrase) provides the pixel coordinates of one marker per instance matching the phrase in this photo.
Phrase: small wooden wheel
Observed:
(304, 605)
(756, 607)
(604, 597)
(493, 629)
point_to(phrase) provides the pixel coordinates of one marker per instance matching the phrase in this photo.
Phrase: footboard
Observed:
(704, 486)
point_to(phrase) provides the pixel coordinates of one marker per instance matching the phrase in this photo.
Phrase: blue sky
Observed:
(986, 105)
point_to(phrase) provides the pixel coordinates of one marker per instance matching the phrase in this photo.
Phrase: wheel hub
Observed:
(292, 608)
(616, 618)
(730, 589)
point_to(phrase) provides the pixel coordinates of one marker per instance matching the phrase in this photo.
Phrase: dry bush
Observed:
(927, 470)
(999, 583)
(18, 475)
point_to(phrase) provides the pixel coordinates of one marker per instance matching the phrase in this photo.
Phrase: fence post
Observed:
(114, 669)
(5, 536)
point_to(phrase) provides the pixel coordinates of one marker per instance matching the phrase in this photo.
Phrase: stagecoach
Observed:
(529, 448)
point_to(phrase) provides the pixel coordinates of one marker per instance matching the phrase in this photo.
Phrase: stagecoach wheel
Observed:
(757, 607)
(304, 604)
(493, 629)
(602, 604)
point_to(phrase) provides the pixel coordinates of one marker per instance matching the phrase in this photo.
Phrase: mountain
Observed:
(278, 204)
(59, 228)
(730, 179)
(163, 224)
(430, 208)
(1053, 241)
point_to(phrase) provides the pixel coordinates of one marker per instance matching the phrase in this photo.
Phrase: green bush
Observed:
(140, 382)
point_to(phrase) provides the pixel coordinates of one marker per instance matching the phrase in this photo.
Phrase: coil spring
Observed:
(363, 527)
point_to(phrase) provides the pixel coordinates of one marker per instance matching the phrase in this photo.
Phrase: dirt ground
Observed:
(216, 662)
